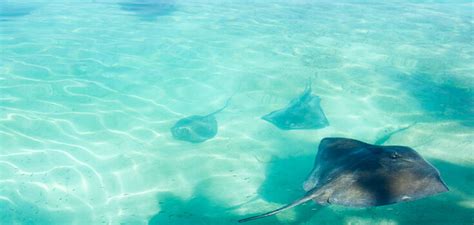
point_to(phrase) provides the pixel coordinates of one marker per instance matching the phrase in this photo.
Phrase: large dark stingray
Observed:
(196, 128)
(356, 174)
(303, 112)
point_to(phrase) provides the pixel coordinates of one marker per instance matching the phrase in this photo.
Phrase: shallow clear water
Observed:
(90, 89)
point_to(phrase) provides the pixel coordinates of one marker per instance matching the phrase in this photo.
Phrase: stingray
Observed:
(352, 173)
(303, 112)
(149, 9)
(9, 11)
(197, 128)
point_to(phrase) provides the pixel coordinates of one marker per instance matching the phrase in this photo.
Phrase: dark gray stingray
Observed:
(356, 174)
(303, 112)
(196, 128)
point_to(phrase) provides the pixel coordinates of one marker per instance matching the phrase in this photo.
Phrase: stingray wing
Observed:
(195, 129)
(334, 154)
(335, 149)
(380, 189)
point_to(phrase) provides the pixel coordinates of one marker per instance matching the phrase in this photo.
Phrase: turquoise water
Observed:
(90, 89)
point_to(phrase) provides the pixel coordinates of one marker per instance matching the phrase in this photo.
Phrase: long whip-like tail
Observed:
(302, 200)
(386, 137)
(222, 108)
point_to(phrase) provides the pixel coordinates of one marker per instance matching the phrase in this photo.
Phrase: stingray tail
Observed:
(300, 201)
(307, 91)
(309, 85)
(386, 137)
(223, 107)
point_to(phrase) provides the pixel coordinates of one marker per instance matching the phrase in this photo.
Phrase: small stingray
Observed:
(352, 173)
(196, 128)
(9, 11)
(303, 112)
(149, 9)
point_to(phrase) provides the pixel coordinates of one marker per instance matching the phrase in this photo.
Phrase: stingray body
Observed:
(356, 174)
(149, 9)
(303, 112)
(10, 10)
(197, 128)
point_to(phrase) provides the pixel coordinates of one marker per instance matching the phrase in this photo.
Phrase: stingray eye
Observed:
(184, 131)
(395, 155)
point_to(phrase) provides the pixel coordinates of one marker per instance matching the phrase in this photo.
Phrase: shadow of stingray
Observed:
(442, 100)
(9, 11)
(285, 176)
(284, 183)
(199, 210)
(149, 10)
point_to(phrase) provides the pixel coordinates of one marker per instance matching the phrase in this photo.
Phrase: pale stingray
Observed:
(149, 9)
(356, 174)
(196, 128)
(303, 112)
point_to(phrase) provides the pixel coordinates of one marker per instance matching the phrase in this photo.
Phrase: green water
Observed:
(90, 89)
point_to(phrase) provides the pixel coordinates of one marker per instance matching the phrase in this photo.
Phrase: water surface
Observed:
(90, 89)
